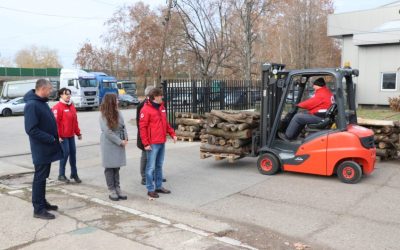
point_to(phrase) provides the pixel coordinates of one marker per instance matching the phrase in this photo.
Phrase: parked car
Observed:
(237, 98)
(13, 106)
(126, 100)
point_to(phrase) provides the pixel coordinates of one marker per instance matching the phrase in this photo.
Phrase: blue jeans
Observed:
(69, 148)
(155, 159)
(39, 187)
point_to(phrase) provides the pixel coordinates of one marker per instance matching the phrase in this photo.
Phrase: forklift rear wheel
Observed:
(349, 172)
(268, 164)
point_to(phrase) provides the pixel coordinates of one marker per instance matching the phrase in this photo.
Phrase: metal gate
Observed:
(200, 96)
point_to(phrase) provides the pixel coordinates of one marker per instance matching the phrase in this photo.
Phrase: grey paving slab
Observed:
(290, 219)
(7, 168)
(87, 238)
(381, 206)
(324, 193)
(19, 227)
(359, 233)
(208, 194)
(383, 174)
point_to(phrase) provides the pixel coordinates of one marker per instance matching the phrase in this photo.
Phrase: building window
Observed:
(389, 81)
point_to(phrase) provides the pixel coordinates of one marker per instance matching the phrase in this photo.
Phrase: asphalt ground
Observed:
(266, 212)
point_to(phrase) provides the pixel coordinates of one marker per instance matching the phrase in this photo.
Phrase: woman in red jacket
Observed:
(67, 125)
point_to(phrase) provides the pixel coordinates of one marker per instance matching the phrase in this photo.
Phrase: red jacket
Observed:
(321, 101)
(67, 120)
(153, 124)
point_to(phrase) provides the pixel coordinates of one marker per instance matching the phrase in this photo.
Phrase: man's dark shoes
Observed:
(49, 207)
(143, 182)
(63, 178)
(76, 178)
(164, 180)
(163, 191)
(44, 215)
(283, 137)
(153, 194)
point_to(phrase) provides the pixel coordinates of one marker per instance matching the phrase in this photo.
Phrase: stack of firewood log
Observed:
(387, 137)
(189, 127)
(229, 132)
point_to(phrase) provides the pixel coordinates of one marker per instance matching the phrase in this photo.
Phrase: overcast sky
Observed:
(65, 25)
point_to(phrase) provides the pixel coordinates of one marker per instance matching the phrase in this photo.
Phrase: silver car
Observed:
(13, 106)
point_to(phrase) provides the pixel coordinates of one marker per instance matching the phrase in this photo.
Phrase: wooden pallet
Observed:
(184, 138)
(220, 156)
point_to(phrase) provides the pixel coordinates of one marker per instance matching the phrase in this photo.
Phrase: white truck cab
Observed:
(83, 86)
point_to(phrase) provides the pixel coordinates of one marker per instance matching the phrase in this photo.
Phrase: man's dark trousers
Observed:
(298, 122)
(42, 172)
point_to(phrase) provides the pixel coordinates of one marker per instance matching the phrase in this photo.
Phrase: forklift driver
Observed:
(316, 107)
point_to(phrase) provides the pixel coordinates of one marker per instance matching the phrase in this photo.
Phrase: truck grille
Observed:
(368, 142)
(90, 93)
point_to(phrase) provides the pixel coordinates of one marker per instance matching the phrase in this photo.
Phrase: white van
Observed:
(83, 86)
(14, 89)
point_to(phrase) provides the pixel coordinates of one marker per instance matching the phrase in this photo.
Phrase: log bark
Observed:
(225, 126)
(187, 115)
(223, 149)
(187, 134)
(221, 141)
(205, 136)
(181, 127)
(189, 121)
(383, 145)
(234, 117)
(213, 120)
(237, 143)
(382, 153)
(244, 134)
(371, 122)
(211, 139)
(192, 128)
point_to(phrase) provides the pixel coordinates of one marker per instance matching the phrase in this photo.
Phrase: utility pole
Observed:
(164, 40)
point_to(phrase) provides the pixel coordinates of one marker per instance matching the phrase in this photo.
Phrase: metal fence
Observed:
(200, 96)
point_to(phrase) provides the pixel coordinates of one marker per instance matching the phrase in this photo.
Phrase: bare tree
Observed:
(206, 30)
(213, 38)
(249, 12)
(300, 34)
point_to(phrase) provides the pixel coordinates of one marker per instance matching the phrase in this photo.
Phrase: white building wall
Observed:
(373, 60)
(360, 21)
(349, 52)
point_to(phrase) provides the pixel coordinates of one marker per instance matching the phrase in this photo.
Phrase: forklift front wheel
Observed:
(349, 172)
(268, 164)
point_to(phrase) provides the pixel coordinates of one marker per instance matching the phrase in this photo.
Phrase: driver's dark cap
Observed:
(320, 82)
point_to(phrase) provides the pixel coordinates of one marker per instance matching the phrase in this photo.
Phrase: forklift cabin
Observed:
(336, 145)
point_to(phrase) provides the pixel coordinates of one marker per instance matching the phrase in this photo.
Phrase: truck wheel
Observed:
(268, 164)
(349, 172)
(7, 112)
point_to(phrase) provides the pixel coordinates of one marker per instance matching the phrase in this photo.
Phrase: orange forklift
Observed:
(336, 145)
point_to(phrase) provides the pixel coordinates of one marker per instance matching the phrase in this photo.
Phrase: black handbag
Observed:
(122, 133)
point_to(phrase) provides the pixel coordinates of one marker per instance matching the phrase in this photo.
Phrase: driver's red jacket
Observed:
(320, 102)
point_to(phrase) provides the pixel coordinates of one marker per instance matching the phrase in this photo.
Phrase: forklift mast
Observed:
(271, 96)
